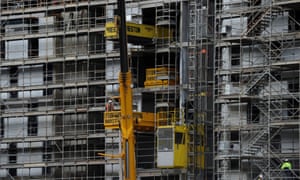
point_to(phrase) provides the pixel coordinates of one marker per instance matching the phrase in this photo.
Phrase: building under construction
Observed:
(59, 66)
(256, 120)
(219, 79)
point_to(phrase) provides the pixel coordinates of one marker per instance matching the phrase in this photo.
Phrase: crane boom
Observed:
(123, 37)
(126, 122)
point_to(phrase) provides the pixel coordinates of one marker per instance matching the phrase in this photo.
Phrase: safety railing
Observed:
(167, 117)
(142, 120)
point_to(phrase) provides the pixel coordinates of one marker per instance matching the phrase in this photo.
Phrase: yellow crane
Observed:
(125, 116)
(171, 133)
(126, 122)
(125, 119)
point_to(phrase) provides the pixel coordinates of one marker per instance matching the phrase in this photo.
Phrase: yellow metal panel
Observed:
(127, 125)
(156, 83)
(163, 76)
(142, 120)
(111, 31)
(136, 30)
(181, 150)
(140, 30)
(167, 117)
(112, 119)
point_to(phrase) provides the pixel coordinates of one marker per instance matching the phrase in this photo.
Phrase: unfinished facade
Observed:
(57, 71)
(257, 88)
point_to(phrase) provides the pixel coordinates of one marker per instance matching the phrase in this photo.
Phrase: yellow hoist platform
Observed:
(174, 139)
(144, 121)
(172, 146)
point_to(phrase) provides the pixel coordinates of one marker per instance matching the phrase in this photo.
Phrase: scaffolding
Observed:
(58, 70)
(200, 80)
(256, 89)
(52, 89)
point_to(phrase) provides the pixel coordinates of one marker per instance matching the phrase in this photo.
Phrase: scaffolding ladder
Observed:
(194, 170)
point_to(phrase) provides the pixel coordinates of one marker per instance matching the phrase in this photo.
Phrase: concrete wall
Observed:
(30, 157)
(29, 172)
(15, 127)
(30, 145)
(290, 141)
(17, 49)
(45, 126)
(79, 92)
(3, 157)
(47, 47)
(234, 26)
(134, 14)
(228, 87)
(231, 88)
(251, 56)
(234, 114)
(290, 54)
(75, 45)
(229, 4)
(46, 24)
(279, 24)
(74, 124)
(18, 127)
(73, 73)
(4, 82)
(235, 175)
(109, 14)
(3, 172)
(30, 76)
(275, 88)
(17, 29)
(112, 73)
(226, 60)
(74, 19)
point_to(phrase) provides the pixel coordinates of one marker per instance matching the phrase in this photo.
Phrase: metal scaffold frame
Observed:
(52, 63)
(58, 70)
(199, 108)
(256, 93)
